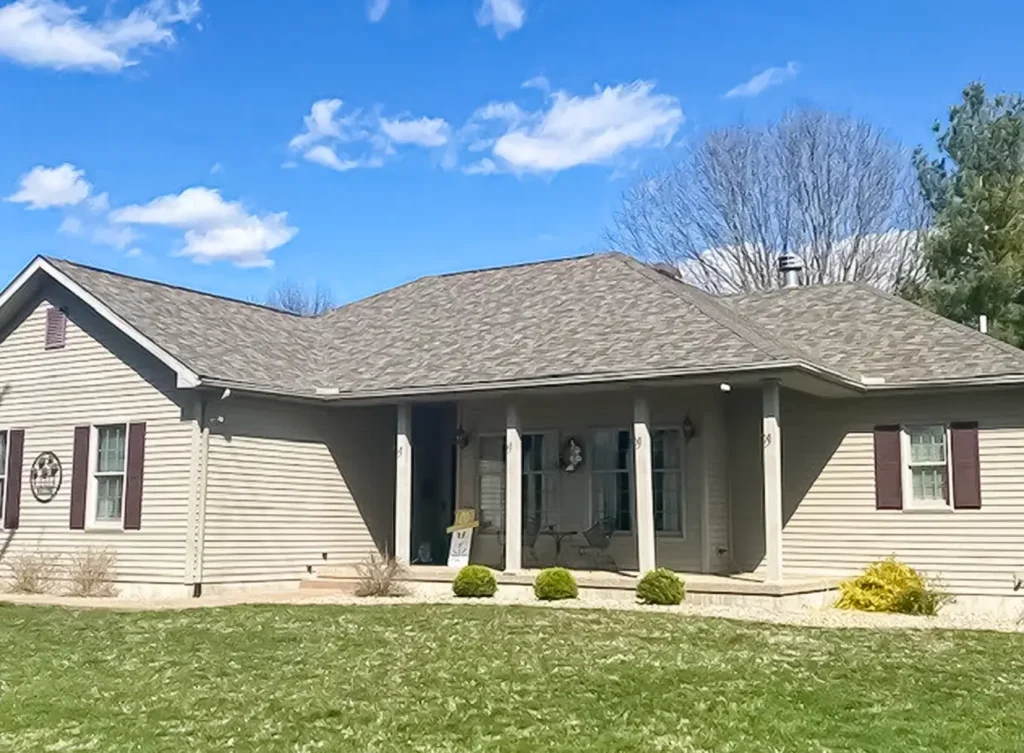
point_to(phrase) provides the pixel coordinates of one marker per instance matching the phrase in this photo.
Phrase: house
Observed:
(215, 444)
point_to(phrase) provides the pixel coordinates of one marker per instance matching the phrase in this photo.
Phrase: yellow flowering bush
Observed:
(891, 586)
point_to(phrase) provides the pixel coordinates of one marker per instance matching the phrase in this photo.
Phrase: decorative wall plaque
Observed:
(46, 476)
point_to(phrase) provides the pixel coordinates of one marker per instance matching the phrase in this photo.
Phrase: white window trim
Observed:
(681, 533)
(630, 472)
(550, 435)
(906, 477)
(92, 488)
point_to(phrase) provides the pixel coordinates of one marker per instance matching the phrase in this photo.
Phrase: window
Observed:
(109, 473)
(668, 480)
(926, 466)
(490, 469)
(539, 477)
(611, 477)
(3, 465)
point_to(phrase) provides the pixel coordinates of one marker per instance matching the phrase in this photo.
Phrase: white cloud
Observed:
(537, 82)
(592, 130)
(426, 132)
(764, 80)
(504, 15)
(44, 187)
(486, 166)
(215, 229)
(99, 202)
(507, 111)
(216, 169)
(53, 34)
(320, 124)
(134, 253)
(326, 156)
(71, 226)
(116, 237)
(375, 9)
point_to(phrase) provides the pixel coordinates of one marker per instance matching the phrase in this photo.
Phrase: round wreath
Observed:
(572, 455)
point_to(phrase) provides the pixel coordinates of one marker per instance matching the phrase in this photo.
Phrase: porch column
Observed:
(513, 492)
(403, 484)
(771, 442)
(644, 475)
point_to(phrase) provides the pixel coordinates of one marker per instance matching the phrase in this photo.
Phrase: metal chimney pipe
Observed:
(790, 268)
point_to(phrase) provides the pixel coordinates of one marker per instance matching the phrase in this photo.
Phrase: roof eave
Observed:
(186, 378)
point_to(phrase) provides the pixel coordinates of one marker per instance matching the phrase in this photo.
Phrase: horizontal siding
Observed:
(833, 525)
(288, 483)
(98, 377)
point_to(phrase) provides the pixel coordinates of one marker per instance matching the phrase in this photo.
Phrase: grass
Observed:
(475, 678)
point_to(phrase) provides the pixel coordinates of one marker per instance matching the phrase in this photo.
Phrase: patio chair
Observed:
(531, 532)
(599, 540)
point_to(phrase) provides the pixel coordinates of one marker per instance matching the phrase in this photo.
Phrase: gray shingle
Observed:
(594, 316)
(862, 331)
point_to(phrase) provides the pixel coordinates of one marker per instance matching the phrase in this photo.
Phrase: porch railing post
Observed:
(403, 483)
(644, 474)
(513, 492)
(771, 442)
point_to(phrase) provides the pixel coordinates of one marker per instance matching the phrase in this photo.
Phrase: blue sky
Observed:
(178, 139)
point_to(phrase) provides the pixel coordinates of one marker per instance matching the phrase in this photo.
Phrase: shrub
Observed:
(33, 572)
(554, 584)
(661, 586)
(891, 586)
(381, 575)
(474, 581)
(91, 573)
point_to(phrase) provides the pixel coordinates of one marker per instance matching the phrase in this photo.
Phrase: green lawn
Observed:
(441, 678)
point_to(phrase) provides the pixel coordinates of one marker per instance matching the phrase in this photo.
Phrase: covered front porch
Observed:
(616, 479)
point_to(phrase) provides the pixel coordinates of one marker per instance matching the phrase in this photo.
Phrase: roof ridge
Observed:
(963, 328)
(762, 339)
(517, 265)
(171, 286)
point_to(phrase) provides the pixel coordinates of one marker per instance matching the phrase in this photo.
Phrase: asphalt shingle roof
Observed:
(596, 316)
(857, 329)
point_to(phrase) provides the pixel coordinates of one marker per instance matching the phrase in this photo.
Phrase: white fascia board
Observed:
(186, 378)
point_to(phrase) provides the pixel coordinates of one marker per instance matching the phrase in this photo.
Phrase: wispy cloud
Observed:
(53, 34)
(764, 80)
(428, 132)
(538, 82)
(504, 15)
(376, 9)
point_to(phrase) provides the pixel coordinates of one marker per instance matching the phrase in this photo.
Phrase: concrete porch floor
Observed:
(701, 588)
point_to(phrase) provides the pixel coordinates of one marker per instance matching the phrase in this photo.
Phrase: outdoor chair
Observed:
(599, 540)
(531, 532)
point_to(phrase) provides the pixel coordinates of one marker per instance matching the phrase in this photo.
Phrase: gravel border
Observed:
(821, 618)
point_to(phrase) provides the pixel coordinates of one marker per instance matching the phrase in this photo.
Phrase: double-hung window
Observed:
(109, 465)
(611, 478)
(540, 474)
(925, 451)
(667, 463)
(3, 465)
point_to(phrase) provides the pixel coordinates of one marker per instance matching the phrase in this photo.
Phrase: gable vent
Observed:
(56, 328)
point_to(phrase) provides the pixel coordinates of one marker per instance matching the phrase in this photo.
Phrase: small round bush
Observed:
(661, 586)
(891, 586)
(474, 581)
(554, 584)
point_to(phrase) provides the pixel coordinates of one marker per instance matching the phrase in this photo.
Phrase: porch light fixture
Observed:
(689, 430)
(461, 438)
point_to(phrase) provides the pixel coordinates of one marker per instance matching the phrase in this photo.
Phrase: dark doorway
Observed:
(433, 480)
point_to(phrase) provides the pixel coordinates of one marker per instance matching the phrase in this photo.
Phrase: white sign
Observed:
(458, 552)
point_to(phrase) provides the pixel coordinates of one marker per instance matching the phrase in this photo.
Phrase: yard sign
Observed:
(462, 537)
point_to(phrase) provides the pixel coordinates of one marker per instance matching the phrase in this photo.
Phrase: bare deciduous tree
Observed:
(833, 190)
(296, 299)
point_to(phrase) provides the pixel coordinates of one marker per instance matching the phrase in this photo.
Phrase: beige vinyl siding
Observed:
(832, 526)
(713, 442)
(746, 508)
(98, 377)
(576, 414)
(288, 483)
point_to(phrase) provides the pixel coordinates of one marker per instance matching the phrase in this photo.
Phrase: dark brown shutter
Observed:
(12, 480)
(56, 328)
(80, 476)
(133, 484)
(888, 467)
(966, 469)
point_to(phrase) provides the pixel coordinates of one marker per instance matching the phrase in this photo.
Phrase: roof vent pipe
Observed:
(790, 268)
